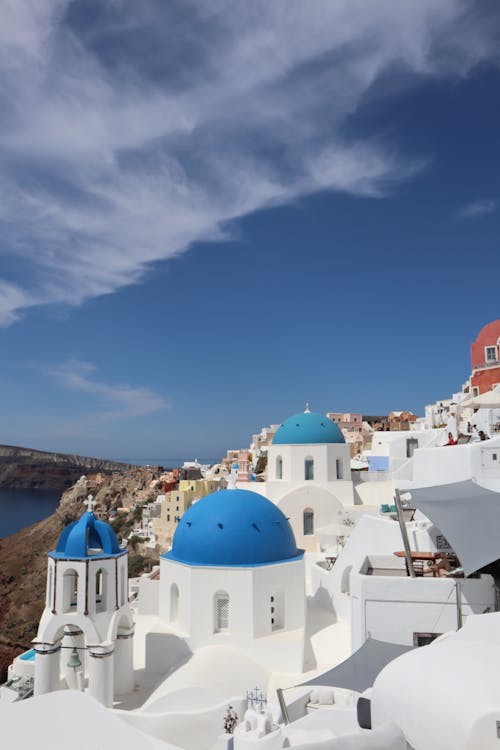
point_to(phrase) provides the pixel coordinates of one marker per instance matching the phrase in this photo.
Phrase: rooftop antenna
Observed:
(90, 502)
(307, 409)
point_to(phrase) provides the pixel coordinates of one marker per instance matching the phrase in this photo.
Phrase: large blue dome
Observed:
(308, 427)
(87, 537)
(231, 528)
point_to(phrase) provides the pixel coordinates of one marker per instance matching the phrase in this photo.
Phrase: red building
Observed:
(485, 359)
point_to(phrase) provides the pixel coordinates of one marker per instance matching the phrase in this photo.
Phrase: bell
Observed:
(74, 660)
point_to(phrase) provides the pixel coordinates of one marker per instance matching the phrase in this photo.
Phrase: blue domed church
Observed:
(234, 577)
(85, 635)
(309, 474)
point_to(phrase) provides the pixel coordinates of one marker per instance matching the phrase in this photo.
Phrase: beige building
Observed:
(175, 504)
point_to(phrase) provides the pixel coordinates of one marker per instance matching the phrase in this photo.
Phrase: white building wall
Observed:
(249, 590)
(479, 461)
(324, 456)
(394, 608)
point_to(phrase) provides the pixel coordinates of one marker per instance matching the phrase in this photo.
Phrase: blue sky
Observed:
(212, 213)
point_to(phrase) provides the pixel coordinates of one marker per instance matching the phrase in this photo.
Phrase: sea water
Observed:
(19, 508)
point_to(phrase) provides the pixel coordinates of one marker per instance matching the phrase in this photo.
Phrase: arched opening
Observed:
(308, 521)
(279, 468)
(70, 590)
(221, 612)
(100, 590)
(174, 602)
(345, 583)
(48, 602)
(309, 469)
(124, 586)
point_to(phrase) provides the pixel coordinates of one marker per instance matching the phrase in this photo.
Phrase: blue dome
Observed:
(87, 537)
(231, 528)
(308, 427)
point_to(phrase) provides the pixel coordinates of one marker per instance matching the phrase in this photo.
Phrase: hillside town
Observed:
(299, 593)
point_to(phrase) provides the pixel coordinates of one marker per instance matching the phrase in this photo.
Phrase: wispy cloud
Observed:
(115, 400)
(130, 131)
(476, 209)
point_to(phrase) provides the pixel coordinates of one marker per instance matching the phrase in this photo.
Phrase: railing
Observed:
(488, 363)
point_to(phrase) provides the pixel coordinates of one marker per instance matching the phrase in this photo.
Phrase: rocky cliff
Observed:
(26, 468)
(23, 555)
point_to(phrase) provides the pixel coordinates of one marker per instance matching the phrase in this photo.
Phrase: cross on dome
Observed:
(90, 503)
(307, 409)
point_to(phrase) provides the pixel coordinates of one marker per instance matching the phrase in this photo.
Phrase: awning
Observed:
(488, 400)
(469, 517)
(361, 669)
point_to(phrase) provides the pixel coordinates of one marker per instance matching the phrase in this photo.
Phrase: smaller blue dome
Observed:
(308, 427)
(87, 537)
(233, 528)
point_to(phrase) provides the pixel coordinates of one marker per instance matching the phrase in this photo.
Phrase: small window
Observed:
(490, 353)
(309, 469)
(221, 612)
(411, 446)
(423, 639)
(174, 603)
(338, 464)
(279, 468)
(308, 519)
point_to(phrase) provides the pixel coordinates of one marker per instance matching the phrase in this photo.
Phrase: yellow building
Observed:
(175, 504)
(200, 487)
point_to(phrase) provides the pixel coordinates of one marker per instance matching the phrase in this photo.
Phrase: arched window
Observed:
(174, 602)
(70, 590)
(100, 590)
(124, 586)
(308, 517)
(221, 612)
(279, 468)
(48, 602)
(309, 468)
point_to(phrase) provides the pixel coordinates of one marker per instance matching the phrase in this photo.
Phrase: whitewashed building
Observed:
(235, 577)
(86, 630)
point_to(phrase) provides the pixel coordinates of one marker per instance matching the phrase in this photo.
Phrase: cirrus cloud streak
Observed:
(131, 131)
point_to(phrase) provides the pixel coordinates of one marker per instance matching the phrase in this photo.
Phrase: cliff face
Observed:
(23, 555)
(25, 468)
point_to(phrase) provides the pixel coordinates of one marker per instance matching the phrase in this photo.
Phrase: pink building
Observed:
(347, 422)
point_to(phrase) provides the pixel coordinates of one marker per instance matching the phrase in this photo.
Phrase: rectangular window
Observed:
(309, 469)
(490, 353)
(338, 464)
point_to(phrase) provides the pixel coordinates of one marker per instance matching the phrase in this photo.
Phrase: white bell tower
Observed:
(85, 635)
